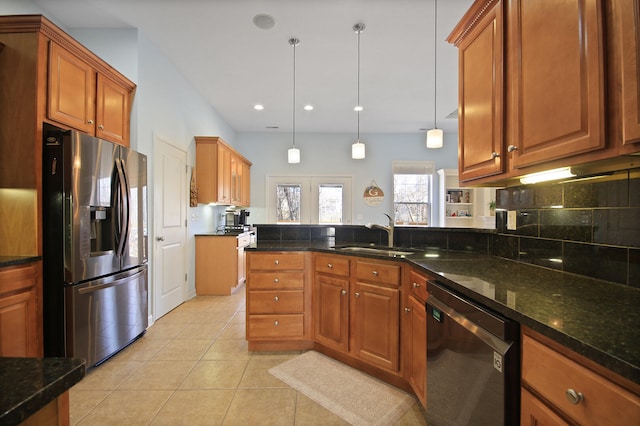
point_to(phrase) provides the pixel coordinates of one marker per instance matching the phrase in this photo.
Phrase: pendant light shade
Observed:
(435, 135)
(358, 148)
(434, 138)
(293, 155)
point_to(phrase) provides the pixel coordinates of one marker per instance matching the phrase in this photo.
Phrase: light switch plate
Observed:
(511, 220)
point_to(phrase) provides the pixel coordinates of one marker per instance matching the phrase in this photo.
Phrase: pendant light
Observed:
(357, 149)
(434, 136)
(293, 155)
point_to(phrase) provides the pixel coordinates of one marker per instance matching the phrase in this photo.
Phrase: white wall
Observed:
(330, 153)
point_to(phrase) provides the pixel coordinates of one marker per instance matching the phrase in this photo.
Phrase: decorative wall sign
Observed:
(193, 199)
(373, 195)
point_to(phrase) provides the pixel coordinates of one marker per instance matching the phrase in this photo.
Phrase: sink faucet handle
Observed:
(390, 219)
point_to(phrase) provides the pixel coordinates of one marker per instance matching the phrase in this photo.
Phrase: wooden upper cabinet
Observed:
(479, 38)
(112, 111)
(555, 55)
(222, 174)
(623, 49)
(72, 90)
(86, 99)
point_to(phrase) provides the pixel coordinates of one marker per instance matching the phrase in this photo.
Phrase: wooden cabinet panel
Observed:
(556, 79)
(246, 184)
(331, 311)
(333, 265)
(382, 273)
(224, 175)
(533, 412)
(72, 90)
(270, 302)
(276, 280)
(218, 265)
(112, 111)
(275, 327)
(481, 99)
(277, 261)
(376, 326)
(551, 375)
(418, 349)
(418, 286)
(19, 319)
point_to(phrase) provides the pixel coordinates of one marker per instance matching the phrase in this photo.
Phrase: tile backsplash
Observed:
(589, 227)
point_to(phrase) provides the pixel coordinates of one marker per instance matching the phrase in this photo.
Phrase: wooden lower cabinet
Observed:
(220, 263)
(331, 301)
(278, 301)
(19, 311)
(553, 375)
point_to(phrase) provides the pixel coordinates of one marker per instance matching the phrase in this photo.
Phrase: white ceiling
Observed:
(235, 65)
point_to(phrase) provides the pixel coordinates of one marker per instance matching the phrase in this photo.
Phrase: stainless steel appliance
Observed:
(95, 245)
(473, 365)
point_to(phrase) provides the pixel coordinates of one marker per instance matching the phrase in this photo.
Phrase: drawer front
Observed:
(378, 273)
(275, 280)
(276, 327)
(551, 374)
(276, 302)
(335, 265)
(277, 261)
(418, 286)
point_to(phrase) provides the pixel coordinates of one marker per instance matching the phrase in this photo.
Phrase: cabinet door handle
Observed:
(329, 265)
(90, 122)
(357, 294)
(277, 262)
(574, 397)
(416, 285)
(407, 310)
(101, 127)
(375, 273)
(276, 280)
(276, 298)
(276, 323)
(343, 292)
(512, 148)
(494, 155)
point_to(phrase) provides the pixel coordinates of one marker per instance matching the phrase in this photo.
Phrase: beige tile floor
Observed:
(192, 367)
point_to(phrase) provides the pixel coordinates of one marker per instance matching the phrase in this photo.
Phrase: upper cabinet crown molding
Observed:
(470, 20)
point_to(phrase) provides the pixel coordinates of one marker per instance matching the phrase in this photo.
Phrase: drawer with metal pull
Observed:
(270, 302)
(334, 265)
(275, 327)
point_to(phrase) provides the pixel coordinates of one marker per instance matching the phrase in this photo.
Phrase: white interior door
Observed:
(170, 212)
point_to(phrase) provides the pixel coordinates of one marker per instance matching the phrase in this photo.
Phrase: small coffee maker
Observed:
(242, 219)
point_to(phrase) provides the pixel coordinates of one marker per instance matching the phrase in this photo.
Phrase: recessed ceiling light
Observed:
(258, 107)
(308, 107)
(264, 22)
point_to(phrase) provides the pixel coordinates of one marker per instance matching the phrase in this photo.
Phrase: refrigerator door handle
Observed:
(123, 219)
(126, 202)
(111, 283)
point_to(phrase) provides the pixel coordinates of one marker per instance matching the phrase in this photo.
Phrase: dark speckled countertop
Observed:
(597, 319)
(28, 384)
(16, 260)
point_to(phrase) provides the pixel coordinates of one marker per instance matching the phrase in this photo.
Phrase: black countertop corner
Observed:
(29, 384)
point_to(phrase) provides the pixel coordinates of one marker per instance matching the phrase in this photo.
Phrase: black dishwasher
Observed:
(473, 363)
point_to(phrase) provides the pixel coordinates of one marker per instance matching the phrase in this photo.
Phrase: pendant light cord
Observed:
(435, 64)
(294, 42)
(358, 82)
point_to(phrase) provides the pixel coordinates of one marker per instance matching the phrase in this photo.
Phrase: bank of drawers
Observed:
(276, 296)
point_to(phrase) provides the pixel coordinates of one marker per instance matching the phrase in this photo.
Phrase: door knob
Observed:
(160, 238)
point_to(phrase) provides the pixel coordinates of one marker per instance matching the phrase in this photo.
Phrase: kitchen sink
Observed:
(381, 251)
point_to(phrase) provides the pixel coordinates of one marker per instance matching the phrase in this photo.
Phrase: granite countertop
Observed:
(28, 384)
(17, 260)
(597, 319)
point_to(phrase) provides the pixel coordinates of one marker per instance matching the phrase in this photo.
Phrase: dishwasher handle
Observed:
(494, 342)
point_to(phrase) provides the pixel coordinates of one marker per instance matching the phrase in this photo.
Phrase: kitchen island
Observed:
(33, 387)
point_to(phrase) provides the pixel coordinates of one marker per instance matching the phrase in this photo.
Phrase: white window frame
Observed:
(416, 168)
(309, 204)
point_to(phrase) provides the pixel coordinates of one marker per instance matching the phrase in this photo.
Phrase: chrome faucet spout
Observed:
(389, 229)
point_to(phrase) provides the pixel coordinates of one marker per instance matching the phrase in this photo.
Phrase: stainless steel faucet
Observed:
(389, 228)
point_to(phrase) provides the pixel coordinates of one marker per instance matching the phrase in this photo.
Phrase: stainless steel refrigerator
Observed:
(95, 245)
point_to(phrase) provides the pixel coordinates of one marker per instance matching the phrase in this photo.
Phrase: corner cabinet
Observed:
(278, 301)
(222, 174)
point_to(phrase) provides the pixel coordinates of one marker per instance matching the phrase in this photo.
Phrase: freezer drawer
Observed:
(105, 315)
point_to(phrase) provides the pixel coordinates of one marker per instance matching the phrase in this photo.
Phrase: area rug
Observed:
(355, 396)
